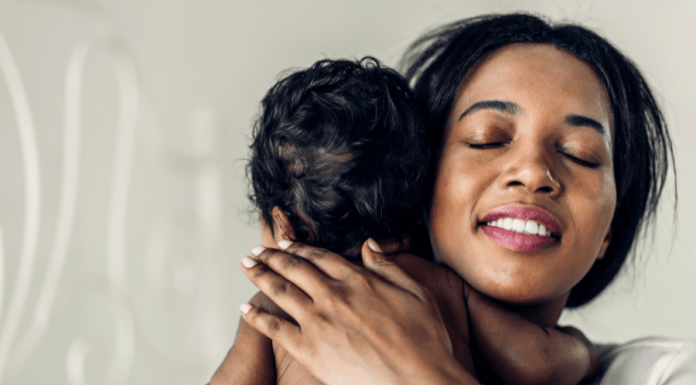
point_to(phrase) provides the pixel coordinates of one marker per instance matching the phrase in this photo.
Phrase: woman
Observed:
(528, 122)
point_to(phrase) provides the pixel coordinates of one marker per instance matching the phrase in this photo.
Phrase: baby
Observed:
(340, 156)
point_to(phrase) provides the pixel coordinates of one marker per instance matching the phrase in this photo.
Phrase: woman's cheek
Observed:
(603, 199)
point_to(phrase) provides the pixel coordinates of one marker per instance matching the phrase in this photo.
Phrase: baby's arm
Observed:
(522, 352)
(251, 360)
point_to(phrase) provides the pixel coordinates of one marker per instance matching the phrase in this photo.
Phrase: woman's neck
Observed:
(545, 314)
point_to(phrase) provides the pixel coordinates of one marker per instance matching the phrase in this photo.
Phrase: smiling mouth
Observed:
(522, 228)
(528, 227)
(531, 220)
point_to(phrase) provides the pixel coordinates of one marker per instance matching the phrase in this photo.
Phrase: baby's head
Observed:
(339, 155)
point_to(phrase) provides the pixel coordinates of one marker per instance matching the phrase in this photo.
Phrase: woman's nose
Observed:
(530, 169)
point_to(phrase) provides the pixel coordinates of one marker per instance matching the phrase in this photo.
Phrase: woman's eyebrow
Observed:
(583, 121)
(504, 107)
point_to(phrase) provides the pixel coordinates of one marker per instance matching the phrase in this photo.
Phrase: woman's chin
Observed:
(518, 295)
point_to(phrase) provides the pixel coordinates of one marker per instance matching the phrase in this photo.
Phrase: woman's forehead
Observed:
(539, 77)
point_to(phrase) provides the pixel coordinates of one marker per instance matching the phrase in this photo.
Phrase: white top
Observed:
(648, 361)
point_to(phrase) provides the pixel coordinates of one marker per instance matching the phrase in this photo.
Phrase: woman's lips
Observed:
(534, 228)
(517, 241)
(526, 213)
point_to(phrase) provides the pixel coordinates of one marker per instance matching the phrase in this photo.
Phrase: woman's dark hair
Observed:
(438, 61)
(340, 149)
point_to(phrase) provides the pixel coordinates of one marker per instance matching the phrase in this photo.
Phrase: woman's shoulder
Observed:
(648, 361)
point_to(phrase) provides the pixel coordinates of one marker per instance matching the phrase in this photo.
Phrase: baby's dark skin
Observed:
(493, 344)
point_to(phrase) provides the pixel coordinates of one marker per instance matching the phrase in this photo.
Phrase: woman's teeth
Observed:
(521, 226)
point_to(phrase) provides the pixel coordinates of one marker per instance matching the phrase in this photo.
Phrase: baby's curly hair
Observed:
(340, 149)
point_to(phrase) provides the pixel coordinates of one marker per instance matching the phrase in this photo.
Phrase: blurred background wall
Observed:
(124, 127)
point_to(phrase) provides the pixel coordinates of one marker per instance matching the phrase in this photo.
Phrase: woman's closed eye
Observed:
(497, 144)
(575, 159)
(486, 146)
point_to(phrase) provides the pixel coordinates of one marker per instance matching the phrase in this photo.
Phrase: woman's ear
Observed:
(607, 238)
(282, 229)
(605, 245)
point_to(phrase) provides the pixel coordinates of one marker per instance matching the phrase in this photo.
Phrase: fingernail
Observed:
(244, 308)
(284, 244)
(248, 262)
(257, 250)
(373, 245)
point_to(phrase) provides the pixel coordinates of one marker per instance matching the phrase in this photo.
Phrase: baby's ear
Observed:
(282, 229)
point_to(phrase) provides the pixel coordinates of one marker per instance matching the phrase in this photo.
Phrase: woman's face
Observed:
(525, 193)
